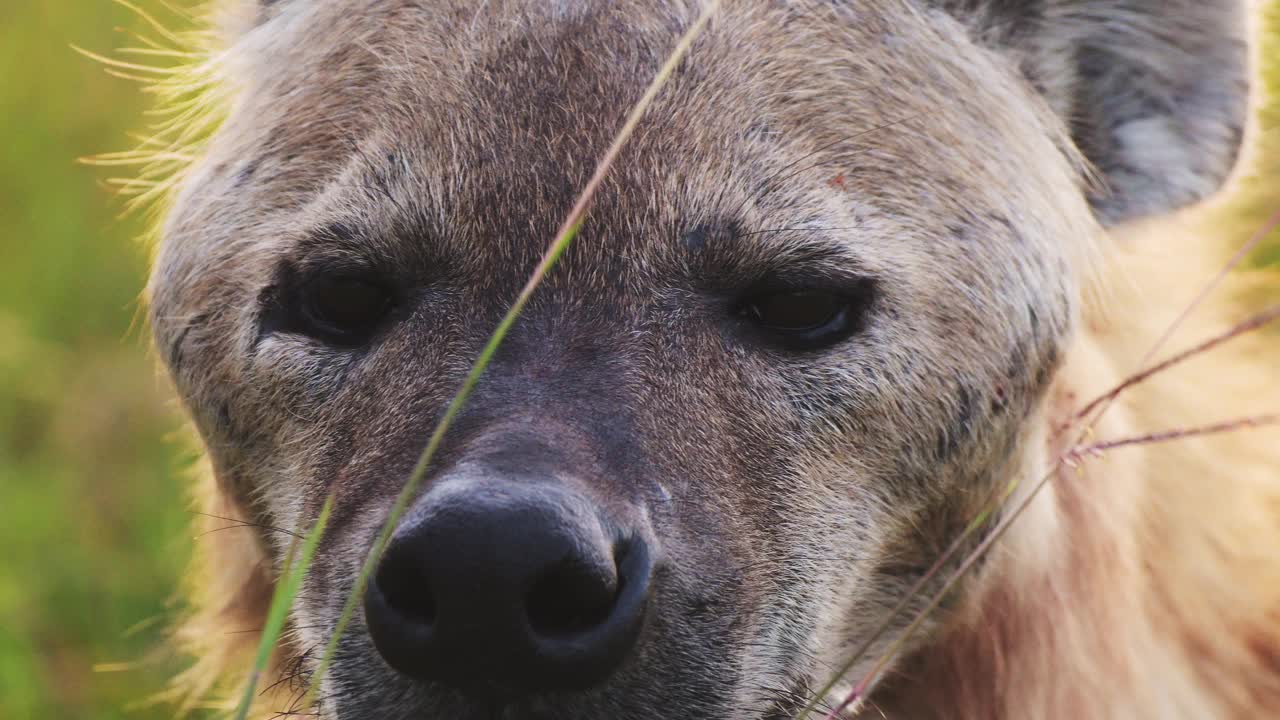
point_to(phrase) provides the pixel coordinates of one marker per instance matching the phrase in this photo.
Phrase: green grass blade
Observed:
(568, 231)
(286, 590)
(980, 520)
(415, 479)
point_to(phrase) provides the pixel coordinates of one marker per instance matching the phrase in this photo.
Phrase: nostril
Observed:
(509, 591)
(407, 592)
(571, 597)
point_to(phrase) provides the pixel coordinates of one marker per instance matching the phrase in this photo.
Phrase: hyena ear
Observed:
(1155, 92)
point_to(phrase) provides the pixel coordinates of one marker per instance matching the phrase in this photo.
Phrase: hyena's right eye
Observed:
(344, 309)
(808, 318)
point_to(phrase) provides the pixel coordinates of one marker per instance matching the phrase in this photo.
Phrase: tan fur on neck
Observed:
(1159, 596)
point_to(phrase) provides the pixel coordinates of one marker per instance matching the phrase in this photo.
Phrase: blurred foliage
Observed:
(93, 513)
(1259, 197)
(92, 506)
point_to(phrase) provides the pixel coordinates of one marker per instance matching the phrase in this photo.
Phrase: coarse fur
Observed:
(989, 169)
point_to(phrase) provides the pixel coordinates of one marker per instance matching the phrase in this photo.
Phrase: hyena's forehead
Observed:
(875, 143)
(473, 131)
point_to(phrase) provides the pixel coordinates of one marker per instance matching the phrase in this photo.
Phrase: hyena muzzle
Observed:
(808, 327)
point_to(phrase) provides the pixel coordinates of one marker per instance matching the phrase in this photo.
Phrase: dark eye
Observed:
(338, 309)
(807, 319)
(342, 309)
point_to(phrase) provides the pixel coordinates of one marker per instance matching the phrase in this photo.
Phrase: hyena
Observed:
(856, 272)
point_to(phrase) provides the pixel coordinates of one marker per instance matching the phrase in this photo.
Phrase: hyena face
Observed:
(805, 329)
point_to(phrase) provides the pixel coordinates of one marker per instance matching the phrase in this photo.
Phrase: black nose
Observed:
(508, 590)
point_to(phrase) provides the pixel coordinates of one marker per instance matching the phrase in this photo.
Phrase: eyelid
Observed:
(802, 280)
(313, 268)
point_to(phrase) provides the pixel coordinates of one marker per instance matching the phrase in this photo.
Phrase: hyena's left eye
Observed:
(343, 309)
(807, 319)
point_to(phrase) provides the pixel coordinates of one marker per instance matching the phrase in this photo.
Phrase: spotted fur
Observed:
(982, 166)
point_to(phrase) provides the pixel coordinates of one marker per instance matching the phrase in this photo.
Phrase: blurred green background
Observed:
(93, 512)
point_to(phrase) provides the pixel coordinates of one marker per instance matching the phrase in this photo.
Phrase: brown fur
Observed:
(809, 493)
(1159, 595)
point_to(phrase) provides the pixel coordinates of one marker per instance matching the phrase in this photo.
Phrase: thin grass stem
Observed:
(1245, 423)
(864, 688)
(1266, 317)
(281, 601)
(1101, 405)
(563, 238)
